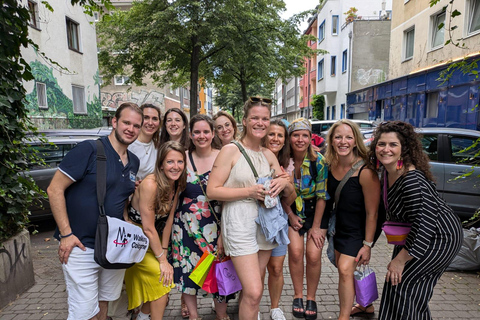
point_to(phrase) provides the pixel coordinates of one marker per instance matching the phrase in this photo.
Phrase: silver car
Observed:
(52, 154)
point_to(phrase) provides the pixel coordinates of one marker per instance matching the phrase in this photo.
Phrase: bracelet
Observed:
(289, 213)
(159, 256)
(165, 248)
(65, 236)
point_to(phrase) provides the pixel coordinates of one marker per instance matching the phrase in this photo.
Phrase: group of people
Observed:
(195, 191)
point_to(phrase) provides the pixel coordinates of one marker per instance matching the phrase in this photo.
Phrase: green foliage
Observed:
(225, 42)
(59, 104)
(318, 104)
(16, 191)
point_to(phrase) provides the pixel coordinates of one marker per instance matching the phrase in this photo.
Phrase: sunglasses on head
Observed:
(261, 100)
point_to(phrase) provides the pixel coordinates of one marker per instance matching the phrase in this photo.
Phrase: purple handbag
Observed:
(227, 278)
(365, 286)
(396, 232)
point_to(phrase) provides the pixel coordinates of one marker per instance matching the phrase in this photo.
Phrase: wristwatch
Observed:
(368, 244)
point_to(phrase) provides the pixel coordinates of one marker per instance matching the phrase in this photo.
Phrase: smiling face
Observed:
(174, 125)
(275, 138)
(300, 141)
(225, 129)
(388, 150)
(127, 126)
(201, 134)
(151, 121)
(173, 165)
(343, 140)
(257, 122)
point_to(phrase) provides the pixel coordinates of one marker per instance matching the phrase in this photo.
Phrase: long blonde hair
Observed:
(360, 150)
(162, 202)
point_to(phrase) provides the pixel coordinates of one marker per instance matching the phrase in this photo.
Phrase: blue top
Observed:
(80, 165)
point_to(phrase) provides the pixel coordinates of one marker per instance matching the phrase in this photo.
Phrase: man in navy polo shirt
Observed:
(73, 200)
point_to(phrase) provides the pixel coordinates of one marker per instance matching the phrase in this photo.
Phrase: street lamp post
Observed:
(295, 66)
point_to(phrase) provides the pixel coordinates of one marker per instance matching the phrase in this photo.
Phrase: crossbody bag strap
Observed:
(345, 178)
(242, 150)
(101, 176)
(201, 186)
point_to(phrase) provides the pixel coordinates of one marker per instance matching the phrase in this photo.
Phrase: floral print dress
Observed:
(195, 230)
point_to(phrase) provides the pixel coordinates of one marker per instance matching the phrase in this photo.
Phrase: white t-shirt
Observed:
(147, 154)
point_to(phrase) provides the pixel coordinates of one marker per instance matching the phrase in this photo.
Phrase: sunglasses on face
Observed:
(261, 100)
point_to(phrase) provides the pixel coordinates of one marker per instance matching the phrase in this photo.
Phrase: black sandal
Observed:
(298, 304)
(311, 306)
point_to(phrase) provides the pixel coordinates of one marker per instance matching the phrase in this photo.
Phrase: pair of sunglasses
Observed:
(261, 100)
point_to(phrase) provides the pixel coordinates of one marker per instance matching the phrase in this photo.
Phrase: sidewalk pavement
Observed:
(457, 295)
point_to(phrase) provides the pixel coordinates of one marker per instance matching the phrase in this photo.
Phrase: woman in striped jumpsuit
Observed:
(436, 233)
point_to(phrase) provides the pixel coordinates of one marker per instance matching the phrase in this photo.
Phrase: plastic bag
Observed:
(469, 256)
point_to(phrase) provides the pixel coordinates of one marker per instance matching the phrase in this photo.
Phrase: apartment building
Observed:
(421, 49)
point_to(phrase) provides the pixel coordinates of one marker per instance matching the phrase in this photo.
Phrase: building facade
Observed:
(66, 89)
(420, 52)
(356, 37)
(308, 82)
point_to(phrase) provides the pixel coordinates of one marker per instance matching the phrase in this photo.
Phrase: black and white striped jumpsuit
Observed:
(433, 242)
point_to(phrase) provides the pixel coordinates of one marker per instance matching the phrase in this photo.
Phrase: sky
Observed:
(297, 6)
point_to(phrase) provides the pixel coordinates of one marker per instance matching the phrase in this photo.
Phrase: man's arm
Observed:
(56, 195)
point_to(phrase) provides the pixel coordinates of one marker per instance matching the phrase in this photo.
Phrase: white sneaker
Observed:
(277, 314)
(259, 316)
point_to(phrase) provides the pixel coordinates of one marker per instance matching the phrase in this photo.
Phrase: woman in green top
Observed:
(305, 216)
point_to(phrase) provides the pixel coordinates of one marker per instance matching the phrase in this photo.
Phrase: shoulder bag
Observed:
(118, 244)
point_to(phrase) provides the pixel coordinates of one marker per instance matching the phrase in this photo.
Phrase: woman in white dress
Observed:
(232, 181)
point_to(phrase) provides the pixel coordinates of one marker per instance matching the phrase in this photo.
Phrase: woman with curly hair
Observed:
(149, 281)
(356, 210)
(436, 232)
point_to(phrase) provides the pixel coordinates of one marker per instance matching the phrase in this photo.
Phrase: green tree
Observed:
(318, 104)
(16, 190)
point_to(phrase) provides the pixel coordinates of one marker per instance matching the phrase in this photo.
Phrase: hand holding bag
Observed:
(227, 278)
(200, 272)
(118, 244)
(365, 286)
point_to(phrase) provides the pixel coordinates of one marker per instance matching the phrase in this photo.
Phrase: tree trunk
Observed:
(194, 67)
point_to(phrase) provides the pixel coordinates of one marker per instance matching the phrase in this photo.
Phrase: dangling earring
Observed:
(399, 164)
(378, 164)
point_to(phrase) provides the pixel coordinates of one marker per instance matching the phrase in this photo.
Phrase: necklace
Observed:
(146, 146)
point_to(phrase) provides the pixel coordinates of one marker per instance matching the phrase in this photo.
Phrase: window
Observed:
(334, 25)
(344, 61)
(429, 144)
(334, 111)
(321, 32)
(320, 70)
(465, 150)
(78, 94)
(438, 30)
(408, 37)
(474, 16)
(328, 114)
(432, 105)
(333, 65)
(342, 111)
(42, 95)
(122, 80)
(33, 11)
(96, 16)
(72, 35)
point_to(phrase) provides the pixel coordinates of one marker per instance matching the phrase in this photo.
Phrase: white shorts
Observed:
(87, 283)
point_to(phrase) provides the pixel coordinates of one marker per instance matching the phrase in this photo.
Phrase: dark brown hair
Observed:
(201, 117)
(412, 151)
(165, 136)
(284, 153)
(156, 135)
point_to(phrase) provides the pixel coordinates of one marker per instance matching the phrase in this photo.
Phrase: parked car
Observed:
(455, 163)
(321, 127)
(52, 154)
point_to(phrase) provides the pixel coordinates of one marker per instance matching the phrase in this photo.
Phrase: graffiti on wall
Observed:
(12, 260)
(370, 76)
(113, 100)
(59, 112)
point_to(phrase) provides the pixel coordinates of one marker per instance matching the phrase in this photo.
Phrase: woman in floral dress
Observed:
(196, 228)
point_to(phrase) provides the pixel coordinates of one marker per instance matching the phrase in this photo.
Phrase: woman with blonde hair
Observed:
(232, 181)
(356, 210)
(152, 207)
(225, 127)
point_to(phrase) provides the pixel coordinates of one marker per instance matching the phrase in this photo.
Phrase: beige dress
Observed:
(241, 234)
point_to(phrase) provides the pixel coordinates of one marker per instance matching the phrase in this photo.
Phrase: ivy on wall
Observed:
(60, 108)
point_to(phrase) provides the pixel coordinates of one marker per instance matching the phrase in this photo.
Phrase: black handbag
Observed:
(134, 244)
